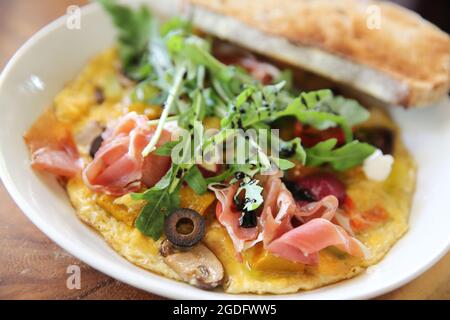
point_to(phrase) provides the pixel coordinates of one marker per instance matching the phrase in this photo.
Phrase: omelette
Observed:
(338, 201)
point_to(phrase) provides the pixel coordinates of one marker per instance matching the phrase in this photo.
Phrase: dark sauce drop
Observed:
(288, 152)
(95, 145)
(239, 175)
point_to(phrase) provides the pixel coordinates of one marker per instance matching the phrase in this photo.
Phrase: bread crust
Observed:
(406, 48)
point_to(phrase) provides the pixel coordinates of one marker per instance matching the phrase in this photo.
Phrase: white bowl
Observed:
(56, 54)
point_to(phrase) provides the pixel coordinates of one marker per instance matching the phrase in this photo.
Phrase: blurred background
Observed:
(436, 11)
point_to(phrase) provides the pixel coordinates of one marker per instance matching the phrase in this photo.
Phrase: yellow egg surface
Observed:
(259, 272)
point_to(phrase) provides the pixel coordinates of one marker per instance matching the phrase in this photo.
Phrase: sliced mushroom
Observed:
(196, 265)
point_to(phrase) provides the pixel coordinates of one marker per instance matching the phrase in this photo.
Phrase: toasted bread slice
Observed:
(378, 48)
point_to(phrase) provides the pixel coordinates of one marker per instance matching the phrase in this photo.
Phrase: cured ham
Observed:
(302, 243)
(58, 161)
(325, 208)
(118, 166)
(314, 236)
(228, 216)
(278, 209)
(52, 147)
(288, 229)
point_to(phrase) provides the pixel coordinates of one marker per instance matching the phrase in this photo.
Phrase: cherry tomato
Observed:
(323, 184)
(311, 136)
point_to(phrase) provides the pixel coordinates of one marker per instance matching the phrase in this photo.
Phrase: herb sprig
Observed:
(175, 66)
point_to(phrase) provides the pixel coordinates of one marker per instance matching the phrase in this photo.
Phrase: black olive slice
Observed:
(184, 227)
(380, 137)
(248, 219)
(95, 145)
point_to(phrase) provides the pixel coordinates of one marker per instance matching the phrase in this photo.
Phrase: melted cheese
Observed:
(378, 166)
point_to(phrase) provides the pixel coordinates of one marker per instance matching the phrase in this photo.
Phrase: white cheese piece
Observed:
(378, 166)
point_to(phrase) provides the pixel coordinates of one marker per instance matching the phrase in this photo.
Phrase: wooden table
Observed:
(33, 267)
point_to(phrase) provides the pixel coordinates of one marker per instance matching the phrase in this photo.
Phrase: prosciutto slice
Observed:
(298, 241)
(325, 208)
(302, 243)
(279, 207)
(118, 166)
(61, 161)
(314, 236)
(52, 147)
(228, 216)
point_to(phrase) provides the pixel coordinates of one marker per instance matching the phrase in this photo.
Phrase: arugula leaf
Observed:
(311, 99)
(166, 148)
(177, 67)
(195, 180)
(195, 49)
(350, 109)
(134, 30)
(161, 185)
(243, 96)
(144, 92)
(249, 169)
(305, 112)
(346, 157)
(283, 164)
(161, 200)
(139, 71)
(176, 24)
(195, 113)
(262, 105)
(317, 155)
(221, 177)
(226, 80)
(286, 76)
(253, 194)
(291, 149)
(160, 203)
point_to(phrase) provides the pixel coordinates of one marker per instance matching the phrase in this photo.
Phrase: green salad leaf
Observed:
(252, 194)
(283, 164)
(340, 159)
(161, 201)
(177, 69)
(195, 180)
(304, 109)
(293, 149)
(134, 33)
(350, 109)
(166, 148)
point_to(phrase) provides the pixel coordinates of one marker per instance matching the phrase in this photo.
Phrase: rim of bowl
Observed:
(161, 286)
